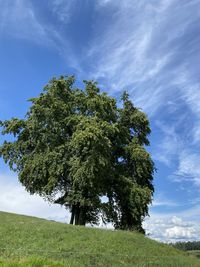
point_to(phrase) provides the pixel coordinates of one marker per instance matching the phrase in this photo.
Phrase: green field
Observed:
(195, 253)
(28, 241)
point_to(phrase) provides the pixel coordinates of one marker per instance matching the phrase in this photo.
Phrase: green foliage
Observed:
(32, 242)
(75, 146)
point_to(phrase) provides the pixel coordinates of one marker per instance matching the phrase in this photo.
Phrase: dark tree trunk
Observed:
(77, 214)
(82, 217)
(72, 215)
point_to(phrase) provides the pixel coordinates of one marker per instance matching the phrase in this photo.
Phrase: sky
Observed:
(150, 49)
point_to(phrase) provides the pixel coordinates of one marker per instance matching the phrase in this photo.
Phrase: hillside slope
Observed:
(28, 241)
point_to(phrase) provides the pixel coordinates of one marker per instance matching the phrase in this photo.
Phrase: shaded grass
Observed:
(29, 241)
(195, 253)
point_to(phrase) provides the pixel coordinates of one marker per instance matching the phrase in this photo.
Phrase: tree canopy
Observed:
(75, 147)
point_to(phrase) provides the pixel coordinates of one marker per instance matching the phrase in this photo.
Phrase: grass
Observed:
(33, 242)
(195, 253)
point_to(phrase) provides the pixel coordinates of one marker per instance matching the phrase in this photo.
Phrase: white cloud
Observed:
(188, 168)
(171, 228)
(179, 232)
(179, 222)
(14, 198)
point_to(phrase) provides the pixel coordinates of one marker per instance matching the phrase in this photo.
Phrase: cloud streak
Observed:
(62, 9)
(20, 20)
(188, 168)
(148, 56)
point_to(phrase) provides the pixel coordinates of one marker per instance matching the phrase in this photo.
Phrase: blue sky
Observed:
(149, 48)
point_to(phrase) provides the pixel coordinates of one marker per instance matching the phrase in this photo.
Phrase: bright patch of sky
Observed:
(149, 48)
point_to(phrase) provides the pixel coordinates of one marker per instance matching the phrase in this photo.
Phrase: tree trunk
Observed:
(77, 214)
(72, 215)
(82, 216)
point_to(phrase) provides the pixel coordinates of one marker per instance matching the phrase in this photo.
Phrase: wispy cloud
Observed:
(147, 56)
(161, 201)
(19, 19)
(63, 9)
(177, 151)
(188, 168)
(169, 146)
(127, 59)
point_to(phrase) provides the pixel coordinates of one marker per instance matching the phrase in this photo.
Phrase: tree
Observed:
(132, 187)
(76, 146)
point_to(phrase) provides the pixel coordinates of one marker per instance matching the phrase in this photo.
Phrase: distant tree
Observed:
(76, 146)
(188, 245)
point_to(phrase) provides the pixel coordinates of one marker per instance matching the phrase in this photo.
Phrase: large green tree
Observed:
(76, 146)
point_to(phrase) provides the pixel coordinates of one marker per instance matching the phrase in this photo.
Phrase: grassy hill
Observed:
(194, 253)
(33, 242)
